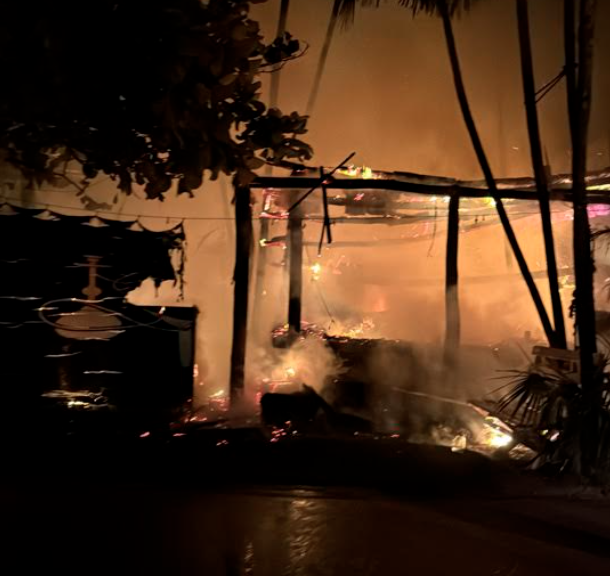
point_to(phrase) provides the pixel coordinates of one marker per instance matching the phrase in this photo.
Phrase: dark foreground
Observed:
(142, 531)
(192, 507)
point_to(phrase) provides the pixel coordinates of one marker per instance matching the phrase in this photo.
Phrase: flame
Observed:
(496, 435)
(498, 439)
(364, 172)
(367, 173)
(316, 270)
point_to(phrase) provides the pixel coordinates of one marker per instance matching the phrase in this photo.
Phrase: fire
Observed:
(316, 270)
(290, 372)
(499, 439)
(363, 172)
(496, 435)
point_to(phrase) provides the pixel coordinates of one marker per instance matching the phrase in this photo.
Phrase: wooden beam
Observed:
(391, 185)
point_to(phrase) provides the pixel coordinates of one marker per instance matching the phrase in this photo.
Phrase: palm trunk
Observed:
(261, 260)
(527, 70)
(275, 77)
(330, 30)
(583, 259)
(570, 57)
(489, 179)
(241, 277)
(452, 304)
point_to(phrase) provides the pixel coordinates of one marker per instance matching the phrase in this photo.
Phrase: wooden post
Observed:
(452, 305)
(295, 239)
(241, 281)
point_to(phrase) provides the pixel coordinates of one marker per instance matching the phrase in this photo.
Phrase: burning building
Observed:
(376, 294)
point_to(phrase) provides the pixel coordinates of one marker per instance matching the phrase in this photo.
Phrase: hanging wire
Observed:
(96, 305)
(322, 180)
(320, 294)
(544, 90)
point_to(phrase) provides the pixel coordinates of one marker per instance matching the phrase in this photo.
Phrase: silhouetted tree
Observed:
(540, 171)
(148, 92)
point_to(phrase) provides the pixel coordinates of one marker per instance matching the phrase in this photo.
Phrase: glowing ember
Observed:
(363, 172)
(367, 173)
(73, 403)
(316, 269)
(498, 439)
(496, 434)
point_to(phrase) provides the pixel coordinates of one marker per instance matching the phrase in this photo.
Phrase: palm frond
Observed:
(435, 7)
(526, 397)
(346, 9)
(572, 420)
(602, 233)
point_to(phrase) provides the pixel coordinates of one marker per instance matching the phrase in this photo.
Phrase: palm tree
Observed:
(330, 31)
(446, 10)
(540, 174)
(579, 84)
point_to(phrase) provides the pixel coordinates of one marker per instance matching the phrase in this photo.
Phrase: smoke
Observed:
(388, 93)
(309, 361)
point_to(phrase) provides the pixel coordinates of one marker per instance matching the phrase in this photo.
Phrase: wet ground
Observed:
(96, 530)
(228, 502)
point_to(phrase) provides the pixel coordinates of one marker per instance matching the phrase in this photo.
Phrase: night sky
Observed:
(388, 93)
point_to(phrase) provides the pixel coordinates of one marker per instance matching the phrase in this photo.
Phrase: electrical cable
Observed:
(95, 304)
(320, 294)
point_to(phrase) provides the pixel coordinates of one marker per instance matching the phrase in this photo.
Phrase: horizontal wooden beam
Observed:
(402, 186)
